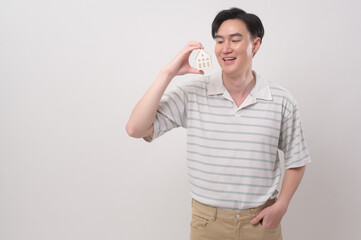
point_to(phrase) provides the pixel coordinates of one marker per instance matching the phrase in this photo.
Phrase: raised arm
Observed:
(140, 123)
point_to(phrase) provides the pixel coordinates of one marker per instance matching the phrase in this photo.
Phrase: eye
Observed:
(219, 42)
(236, 40)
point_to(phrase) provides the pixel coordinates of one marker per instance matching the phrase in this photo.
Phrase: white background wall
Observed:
(71, 72)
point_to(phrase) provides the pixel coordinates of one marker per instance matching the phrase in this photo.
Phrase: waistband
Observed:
(213, 213)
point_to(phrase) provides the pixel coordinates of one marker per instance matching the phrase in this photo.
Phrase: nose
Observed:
(226, 47)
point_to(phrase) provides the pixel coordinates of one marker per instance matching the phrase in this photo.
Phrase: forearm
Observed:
(291, 181)
(272, 215)
(143, 114)
(140, 123)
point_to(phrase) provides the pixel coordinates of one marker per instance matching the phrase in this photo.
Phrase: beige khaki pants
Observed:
(210, 223)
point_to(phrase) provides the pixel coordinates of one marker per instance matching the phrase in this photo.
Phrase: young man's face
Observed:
(235, 47)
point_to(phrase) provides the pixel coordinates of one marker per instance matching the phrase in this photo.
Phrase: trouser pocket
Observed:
(200, 220)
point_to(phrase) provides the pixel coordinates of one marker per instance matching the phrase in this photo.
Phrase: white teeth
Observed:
(229, 59)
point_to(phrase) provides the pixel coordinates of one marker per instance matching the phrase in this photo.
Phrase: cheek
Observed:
(244, 49)
(249, 49)
(216, 50)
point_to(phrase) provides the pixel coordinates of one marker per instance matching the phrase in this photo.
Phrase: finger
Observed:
(194, 45)
(188, 50)
(258, 218)
(196, 71)
(266, 224)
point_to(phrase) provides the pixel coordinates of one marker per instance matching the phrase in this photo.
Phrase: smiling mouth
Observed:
(228, 59)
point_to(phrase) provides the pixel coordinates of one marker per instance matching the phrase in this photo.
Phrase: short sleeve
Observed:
(292, 140)
(171, 113)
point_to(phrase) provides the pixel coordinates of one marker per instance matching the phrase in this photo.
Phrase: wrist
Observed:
(165, 76)
(283, 204)
(167, 73)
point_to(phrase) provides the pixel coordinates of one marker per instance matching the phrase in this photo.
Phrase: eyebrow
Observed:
(231, 35)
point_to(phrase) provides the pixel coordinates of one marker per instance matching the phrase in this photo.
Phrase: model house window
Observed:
(203, 60)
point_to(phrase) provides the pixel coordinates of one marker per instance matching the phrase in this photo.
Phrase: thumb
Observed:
(258, 218)
(196, 71)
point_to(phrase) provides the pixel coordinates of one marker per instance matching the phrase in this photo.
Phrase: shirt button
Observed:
(212, 218)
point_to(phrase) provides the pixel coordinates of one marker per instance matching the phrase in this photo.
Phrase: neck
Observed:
(240, 85)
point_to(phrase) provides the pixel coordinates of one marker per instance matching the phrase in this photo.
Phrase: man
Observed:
(236, 121)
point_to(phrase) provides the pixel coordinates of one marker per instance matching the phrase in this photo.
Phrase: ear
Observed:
(256, 45)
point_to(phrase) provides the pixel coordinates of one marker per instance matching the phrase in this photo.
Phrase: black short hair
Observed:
(253, 23)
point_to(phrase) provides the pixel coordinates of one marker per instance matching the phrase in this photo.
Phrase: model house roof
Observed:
(203, 60)
(202, 54)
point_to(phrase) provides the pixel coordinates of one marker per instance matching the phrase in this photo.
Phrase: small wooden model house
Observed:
(203, 60)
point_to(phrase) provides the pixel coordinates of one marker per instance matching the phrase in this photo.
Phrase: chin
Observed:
(229, 71)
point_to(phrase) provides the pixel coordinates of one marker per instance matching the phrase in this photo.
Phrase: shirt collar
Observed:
(260, 91)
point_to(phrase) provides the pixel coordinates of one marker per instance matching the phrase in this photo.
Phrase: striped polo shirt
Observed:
(232, 152)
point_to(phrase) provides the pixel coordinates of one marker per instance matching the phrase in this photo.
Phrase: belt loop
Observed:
(216, 213)
(214, 217)
(253, 212)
